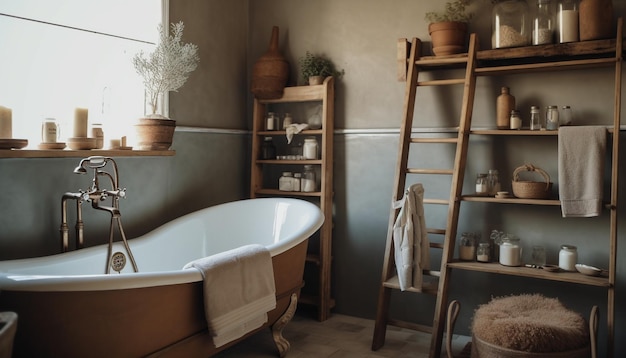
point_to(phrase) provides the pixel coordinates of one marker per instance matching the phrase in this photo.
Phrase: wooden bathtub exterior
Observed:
(161, 321)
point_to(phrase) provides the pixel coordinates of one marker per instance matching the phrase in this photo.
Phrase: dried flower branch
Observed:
(168, 66)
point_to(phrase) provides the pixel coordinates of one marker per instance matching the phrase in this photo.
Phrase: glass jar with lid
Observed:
(510, 251)
(483, 253)
(552, 118)
(567, 21)
(467, 246)
(308, 183)
(568, 257)
(482, 184)
(511, 24)
(285, 182)
(543, 23)
(535, 118)
(268, 149)
(515, 120)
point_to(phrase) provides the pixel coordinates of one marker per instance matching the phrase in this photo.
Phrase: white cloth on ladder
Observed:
(411, 244)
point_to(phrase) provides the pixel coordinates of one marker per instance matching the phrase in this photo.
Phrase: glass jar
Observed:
(538, 255)
(268, 150)
(516, 120)
(493, 182)
(50, 130)
(270, 121)
(568, 257)
(535, 118)
(98, 133)
(543, 23)
(567, 21)
(308, 183)
(566, 116)
(467, 246)
(482, 184)
(309, 150)
(287, 121)
(297, 180)
(511, 24)
(552, 118)
(510, 251)
(483, 253)
(285, 182)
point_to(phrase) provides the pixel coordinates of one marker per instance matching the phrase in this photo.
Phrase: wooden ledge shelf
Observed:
(66, 153)
(562, 276)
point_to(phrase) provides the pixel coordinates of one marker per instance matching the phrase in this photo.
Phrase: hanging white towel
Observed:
(411, 244)
(581, 170)
(238, 291)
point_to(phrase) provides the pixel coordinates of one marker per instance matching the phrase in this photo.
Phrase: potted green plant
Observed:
(448, 28)
(165, 69)
(314, 68)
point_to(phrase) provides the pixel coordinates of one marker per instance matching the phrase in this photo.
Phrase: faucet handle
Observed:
(122, 193)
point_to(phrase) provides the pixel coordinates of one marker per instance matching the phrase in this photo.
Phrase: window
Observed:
(64, 54)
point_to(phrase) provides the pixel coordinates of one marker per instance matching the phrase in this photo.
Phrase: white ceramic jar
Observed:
(568, 257)
(510, 252)
(309, 149)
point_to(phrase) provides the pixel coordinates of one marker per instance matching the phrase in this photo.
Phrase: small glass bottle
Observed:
(516, 120)
(482, 184)
(566, 116)
(493, 182)
(535, 118)
(308, 183)
(567, 19)
(511, 24)
(552, 118)
(568, 257)
(483, 253)
(505, 103)
(287, 121)
(543, 24)
(309, 150)
(467, 247)
(268, 150)
(297, 180)
(285, 182)
(270, 121)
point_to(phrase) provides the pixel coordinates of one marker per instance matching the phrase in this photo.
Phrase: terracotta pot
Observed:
(154, 133)
(270, 72)
(316, 80)
(448, 37)
(595, 19)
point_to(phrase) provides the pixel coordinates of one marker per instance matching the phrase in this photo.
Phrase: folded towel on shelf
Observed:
(238, 291)
(581, 170)
(411, 244)
(294, 128)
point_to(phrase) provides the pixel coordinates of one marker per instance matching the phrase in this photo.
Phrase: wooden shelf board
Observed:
(514, 132)
(66, 153)
(562, 276)
(299, 94)
(289, 162)
(489, 199)
(430, 287)
(283, 133)
(286, 193)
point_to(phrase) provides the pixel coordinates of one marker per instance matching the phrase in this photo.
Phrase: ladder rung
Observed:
(453, 81)
(430, 171)
(436, 231)
(432, 273)
(434, 245)
(437, 201)
(429, 287)
(441, 61)
(434, 140)
(410, 325)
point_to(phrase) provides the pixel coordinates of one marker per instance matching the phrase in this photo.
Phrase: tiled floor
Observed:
(339, 337)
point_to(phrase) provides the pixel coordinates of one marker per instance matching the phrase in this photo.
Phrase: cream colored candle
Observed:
(80, 122)
(6, 123)
(114, 144)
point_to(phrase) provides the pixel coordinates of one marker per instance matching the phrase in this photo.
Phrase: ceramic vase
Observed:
(270, 72)
(595, 19)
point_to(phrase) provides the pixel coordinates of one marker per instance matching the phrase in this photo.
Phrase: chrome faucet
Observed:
(96, 195)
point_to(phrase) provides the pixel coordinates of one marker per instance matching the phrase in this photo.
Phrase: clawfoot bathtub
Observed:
(67, 307)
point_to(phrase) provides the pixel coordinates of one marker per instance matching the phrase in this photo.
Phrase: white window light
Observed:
(60, 55)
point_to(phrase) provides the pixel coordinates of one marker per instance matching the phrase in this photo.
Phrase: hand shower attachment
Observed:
(97, 196)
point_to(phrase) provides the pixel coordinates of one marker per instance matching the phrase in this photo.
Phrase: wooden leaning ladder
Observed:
(389, 276)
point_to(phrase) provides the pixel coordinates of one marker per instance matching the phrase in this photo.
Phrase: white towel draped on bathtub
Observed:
(411, 244)
(238, 291)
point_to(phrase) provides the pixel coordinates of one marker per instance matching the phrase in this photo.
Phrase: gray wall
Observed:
(211, 165)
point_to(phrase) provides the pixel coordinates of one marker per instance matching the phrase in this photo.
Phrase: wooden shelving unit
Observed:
(558, 57)
(67, 153)
(319, 258)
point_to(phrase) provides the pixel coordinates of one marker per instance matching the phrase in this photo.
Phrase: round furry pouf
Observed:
(530, 323)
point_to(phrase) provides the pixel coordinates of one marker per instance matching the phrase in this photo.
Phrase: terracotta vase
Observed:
(595, 19)
(448, 37)
(270, 72)
(155, 133)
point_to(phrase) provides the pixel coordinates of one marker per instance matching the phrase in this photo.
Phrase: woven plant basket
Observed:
(531, 189)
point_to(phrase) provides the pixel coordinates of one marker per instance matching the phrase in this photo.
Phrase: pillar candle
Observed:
(80, 122)
(6, 124)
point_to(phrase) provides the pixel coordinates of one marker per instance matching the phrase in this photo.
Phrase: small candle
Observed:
(80, 122)
(123, 142)
(114, 144)
(6, 124)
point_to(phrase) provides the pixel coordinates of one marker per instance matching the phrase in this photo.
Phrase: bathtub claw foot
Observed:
(277, 328)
